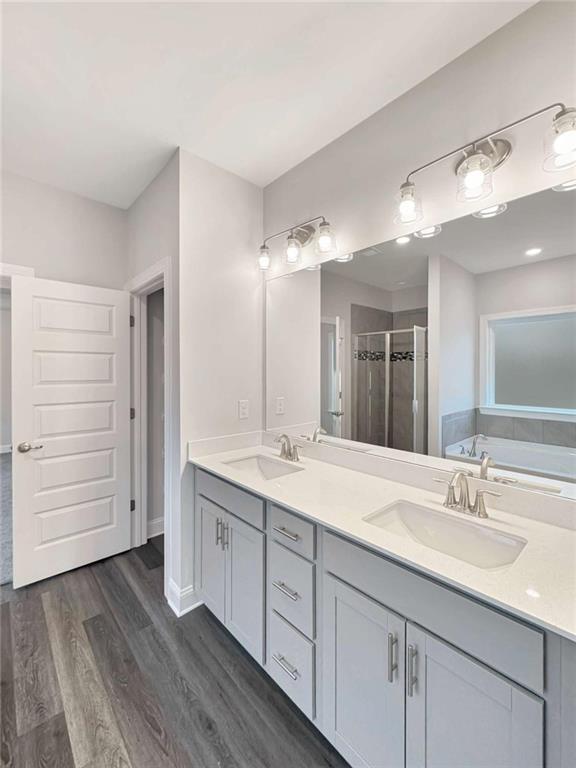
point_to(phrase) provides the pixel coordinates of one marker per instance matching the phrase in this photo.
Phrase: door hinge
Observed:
(132, 413)
(132, 321)
(132, 505)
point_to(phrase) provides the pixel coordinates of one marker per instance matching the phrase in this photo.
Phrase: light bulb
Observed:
(474, 177)
(560, 142)
(325, 241)
(292, 250)
(264, 258)
(409, 208)
(566, 186)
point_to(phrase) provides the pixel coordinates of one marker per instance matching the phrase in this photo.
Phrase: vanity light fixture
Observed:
(345, 258)
(491, 211)
(403, 239)
(566, 186)
(533, 252)
(424, 234)
(299, 237)
(481, 157)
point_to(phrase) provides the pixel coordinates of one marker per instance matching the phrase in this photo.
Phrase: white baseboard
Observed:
(155, 527)
(182, 600)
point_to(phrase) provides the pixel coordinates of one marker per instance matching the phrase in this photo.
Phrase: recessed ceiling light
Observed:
(403, 239)
(492, 210)
(531, 592)
(533, 252)
(428, 232)
(345, 258)
(566, 186)
(314, 267)
(402, 282)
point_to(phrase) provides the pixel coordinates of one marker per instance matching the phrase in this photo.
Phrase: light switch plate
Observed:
(279, 406)
(243, 409)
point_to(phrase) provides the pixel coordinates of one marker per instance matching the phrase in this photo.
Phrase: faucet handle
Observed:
(467, 472)
(479, 506)
(450, 501)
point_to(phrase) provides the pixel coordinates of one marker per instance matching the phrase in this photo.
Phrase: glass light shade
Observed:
(344, 259)
(409, 206)
(490, 212)
(314, 267)
(264, 258)
(427, 232)
(325, 240)
(566, 186)
(474, 177)
(560, 142)
(292, 250)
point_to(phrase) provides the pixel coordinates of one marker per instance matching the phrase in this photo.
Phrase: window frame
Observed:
(486, 356)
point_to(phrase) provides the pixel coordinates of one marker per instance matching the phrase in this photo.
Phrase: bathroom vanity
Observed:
(409, 634)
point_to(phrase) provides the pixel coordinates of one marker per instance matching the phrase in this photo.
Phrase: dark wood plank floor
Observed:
(97, 672)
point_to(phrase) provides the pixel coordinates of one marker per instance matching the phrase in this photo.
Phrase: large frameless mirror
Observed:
(458, 341)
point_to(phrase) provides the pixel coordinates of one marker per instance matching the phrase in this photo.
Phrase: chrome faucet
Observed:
(486, 462)
(461, 503)
(288, 451)
(472, 451)
(317, 432)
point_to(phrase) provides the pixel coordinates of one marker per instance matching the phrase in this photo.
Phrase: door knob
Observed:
(25, 447)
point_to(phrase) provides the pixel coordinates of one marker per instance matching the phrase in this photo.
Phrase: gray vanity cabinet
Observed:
(212, 556)
(460, 713)
(364, 678)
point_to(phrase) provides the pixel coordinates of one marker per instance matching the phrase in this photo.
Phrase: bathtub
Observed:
(555, 461)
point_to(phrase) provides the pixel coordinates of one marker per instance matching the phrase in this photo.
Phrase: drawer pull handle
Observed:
(412, 679)
(286, 666)
(288, 534)
(218, 531)
(392, 665)
(281, 587)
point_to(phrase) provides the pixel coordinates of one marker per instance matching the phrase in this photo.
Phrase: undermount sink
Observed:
(463, 539)
(263, 467)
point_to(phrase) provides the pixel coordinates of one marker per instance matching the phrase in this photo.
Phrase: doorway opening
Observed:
(6, 543)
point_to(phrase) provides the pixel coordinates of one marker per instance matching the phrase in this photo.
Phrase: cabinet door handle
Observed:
(225, 535)
(412, 678)
(288, 534)
(286, 666)
(285, 589)
(392, 665)
(218, 531)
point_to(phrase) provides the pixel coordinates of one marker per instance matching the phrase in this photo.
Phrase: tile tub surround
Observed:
(462, 424)
(539, 587)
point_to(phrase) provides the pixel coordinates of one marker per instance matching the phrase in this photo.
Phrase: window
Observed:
(528, 361)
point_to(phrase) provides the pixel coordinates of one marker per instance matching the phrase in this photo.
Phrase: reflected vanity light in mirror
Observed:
(314, 267)
(491, 211)
(427, 232)
(403, 239)
(533, 252)
(566, 186)
(560, 142)
(345, 258)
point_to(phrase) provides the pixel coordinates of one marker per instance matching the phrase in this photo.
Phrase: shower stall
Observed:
(390, 388)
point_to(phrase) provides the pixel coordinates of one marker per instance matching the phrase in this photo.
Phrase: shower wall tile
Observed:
(559, 433)
(458, 426)
(495, 426)
(529, 430)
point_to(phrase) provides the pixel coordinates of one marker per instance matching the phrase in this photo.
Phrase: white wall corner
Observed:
(155, 527)
(182, 600)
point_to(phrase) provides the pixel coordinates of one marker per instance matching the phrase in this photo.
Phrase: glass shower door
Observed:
(419, 404)
(331, 383)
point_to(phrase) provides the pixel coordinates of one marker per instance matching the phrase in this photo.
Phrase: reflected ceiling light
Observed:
(292, 250)
(491, 211)
(403, 239)
(560, 141)
(325, 239)
(427, 232)
(409, 206)
(566, 186)
(264, 258)
(345, 258)
(299, 237)
(483, 156)
(533, 252)
(314, 267)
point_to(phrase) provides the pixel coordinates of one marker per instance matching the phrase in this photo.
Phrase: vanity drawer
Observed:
(240, 503)
(294, 532)
(292, 588)
(291, 663)
(507, 645)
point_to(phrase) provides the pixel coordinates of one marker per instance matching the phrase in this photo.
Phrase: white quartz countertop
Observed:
(540, 586)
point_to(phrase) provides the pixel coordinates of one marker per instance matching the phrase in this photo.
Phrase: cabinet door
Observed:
(363, 678)
(212, 569)
(460, 713)
(245, 584)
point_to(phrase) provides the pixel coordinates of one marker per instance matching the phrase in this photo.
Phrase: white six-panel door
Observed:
(70, 426)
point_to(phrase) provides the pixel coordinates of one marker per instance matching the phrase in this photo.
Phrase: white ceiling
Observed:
(96, 96)
(546, 220)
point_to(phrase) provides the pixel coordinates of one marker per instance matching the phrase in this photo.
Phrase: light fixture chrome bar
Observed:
(487, 137)
(294, 228)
